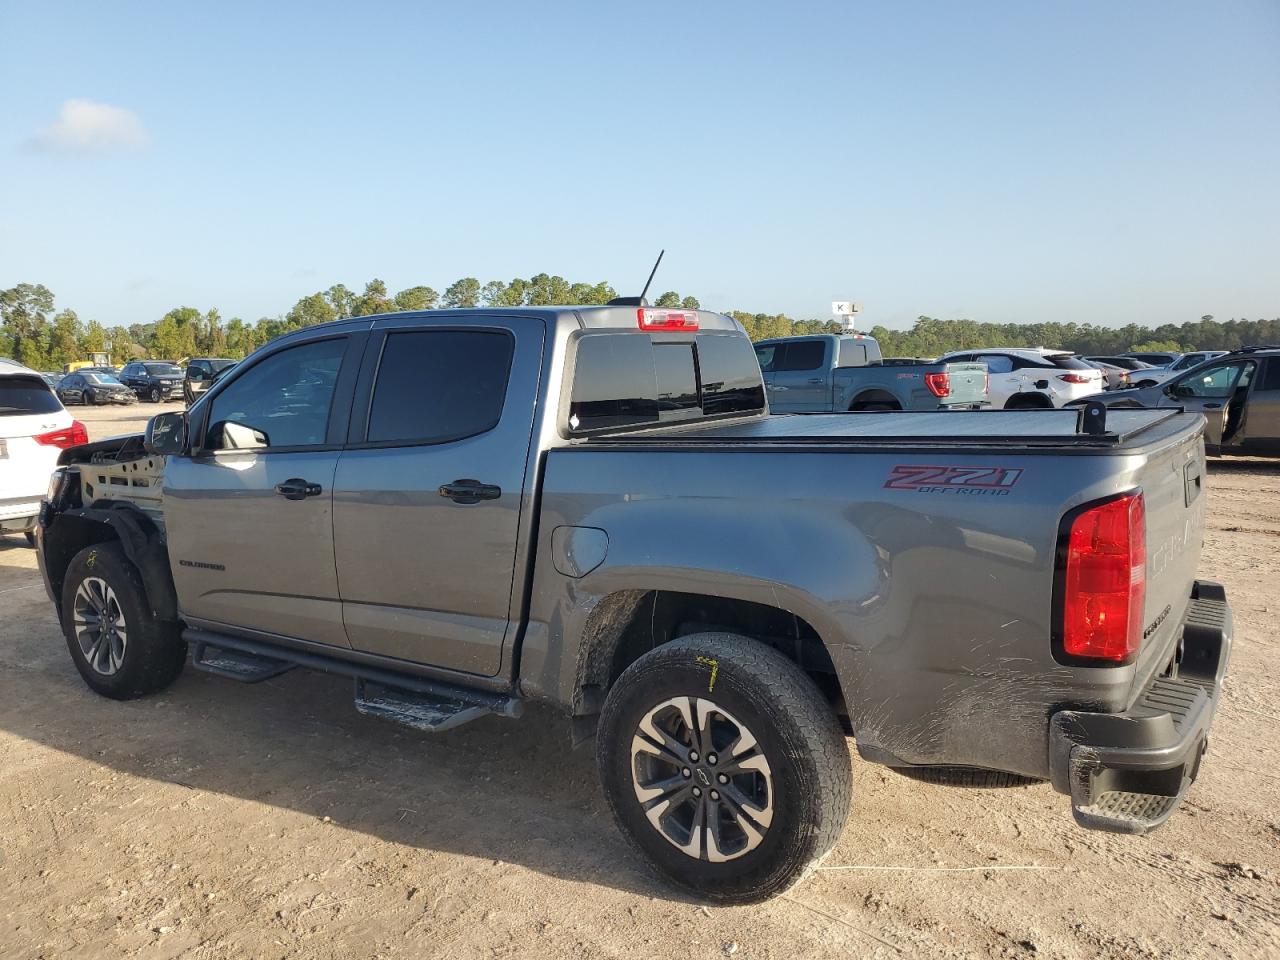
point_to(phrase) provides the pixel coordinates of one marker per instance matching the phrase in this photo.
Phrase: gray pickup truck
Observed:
(834, 373)
(592, 507)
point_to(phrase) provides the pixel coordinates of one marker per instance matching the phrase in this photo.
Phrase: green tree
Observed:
(65, 339)
(24, 324)
(317, 308)
(373, 300)
(417, 298)
(342, 300)
(691, 303)
(463, 293)
(669, 299)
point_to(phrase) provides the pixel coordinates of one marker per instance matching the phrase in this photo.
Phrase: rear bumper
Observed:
(1127, 772)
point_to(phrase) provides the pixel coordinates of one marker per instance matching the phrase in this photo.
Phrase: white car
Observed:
(1020, 378)
(1182, 362)
(34, 428)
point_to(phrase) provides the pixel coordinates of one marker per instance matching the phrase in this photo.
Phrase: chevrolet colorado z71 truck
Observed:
(592, 507)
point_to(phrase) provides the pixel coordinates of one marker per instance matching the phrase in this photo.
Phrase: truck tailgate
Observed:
(1171, 481)
(968, 384)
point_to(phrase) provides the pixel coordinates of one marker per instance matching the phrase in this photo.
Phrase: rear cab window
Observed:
(634, 380)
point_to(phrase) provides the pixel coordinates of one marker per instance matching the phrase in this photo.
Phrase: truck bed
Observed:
(1056, 430)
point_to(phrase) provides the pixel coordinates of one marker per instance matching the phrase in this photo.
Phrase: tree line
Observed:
(42, 337)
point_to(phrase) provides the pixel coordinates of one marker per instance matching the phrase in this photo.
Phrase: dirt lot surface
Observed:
(220, 820)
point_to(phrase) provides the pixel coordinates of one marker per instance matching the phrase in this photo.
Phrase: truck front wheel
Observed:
(724, 766)
(121, 650)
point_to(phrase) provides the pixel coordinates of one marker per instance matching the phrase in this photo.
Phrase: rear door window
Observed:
(438, 386)
(802, 355)
(22, 395)
(1270, 375)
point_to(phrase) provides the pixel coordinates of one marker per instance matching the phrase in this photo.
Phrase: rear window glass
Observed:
(802, 355)
(1068, 363)
(163, 369)
(627, 380)
(20, 396)
(731, 380)
(436, 386)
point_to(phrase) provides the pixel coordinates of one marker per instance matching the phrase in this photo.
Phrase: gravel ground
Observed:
(220, 820)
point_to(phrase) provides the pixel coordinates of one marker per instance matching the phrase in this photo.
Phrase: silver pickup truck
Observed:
(592, 507)
(835, 373)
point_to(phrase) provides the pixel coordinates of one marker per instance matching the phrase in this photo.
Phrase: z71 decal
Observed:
(969, 481)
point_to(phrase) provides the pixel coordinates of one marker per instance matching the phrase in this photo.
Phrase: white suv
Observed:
(1022, 378)
(34, 429)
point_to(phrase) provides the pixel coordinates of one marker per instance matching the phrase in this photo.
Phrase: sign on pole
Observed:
(845, 311)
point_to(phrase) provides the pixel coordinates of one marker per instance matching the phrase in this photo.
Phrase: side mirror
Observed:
(166, 434)
(195, 373)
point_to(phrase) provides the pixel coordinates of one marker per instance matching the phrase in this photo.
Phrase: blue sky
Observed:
(1112, 162)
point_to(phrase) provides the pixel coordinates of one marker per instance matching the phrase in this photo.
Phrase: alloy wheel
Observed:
(702, 779)
(100, 626)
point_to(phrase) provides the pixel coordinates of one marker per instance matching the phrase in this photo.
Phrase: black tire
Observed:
(89, 399)
(875, 406)
(153, 653)
(796, 731)
(31, 537)
(1028, 401)
(154, 395)
(966, 777)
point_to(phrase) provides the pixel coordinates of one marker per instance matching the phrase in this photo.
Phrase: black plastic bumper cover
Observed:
(1127, 772)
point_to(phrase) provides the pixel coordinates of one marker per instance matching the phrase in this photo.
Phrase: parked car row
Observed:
(154, 380)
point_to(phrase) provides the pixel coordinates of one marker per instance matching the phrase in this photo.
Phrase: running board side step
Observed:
(430, 706)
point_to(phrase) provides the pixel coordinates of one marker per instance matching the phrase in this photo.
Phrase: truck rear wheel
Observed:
(724, 766)
(121, 650)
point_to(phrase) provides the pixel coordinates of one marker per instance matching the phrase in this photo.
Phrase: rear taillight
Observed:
(1103, 570)
(1074, 378)
(71, 436)
(939, 384)
(667, 319)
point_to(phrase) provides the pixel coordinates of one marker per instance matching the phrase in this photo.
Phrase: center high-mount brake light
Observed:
(939, 384)
(71, 436)
(667, 319)
(1104, 580)
(1074, 378)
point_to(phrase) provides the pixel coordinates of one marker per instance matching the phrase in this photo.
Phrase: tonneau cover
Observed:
(1051, 428)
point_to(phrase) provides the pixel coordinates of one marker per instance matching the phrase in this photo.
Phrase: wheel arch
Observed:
(626, 624)
(74, 529)
(874, 396)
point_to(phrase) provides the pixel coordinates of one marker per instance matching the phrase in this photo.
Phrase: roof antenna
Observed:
(639, 301)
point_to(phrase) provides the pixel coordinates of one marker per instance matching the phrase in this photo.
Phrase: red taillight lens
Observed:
(1075, 378)
(72, 436)
(939, 384)
(667, 319)
(1105, 581)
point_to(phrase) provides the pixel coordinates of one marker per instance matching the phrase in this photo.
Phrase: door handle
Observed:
(469, 491)
(1213, 406)
(815, 379)
(297, 489)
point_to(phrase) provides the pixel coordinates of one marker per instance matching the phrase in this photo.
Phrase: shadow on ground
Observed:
(509, 790)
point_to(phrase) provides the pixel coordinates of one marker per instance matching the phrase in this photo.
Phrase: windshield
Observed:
(163, 369)
(103, 378)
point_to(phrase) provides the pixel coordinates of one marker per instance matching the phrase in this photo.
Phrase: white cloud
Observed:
(85, 126)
